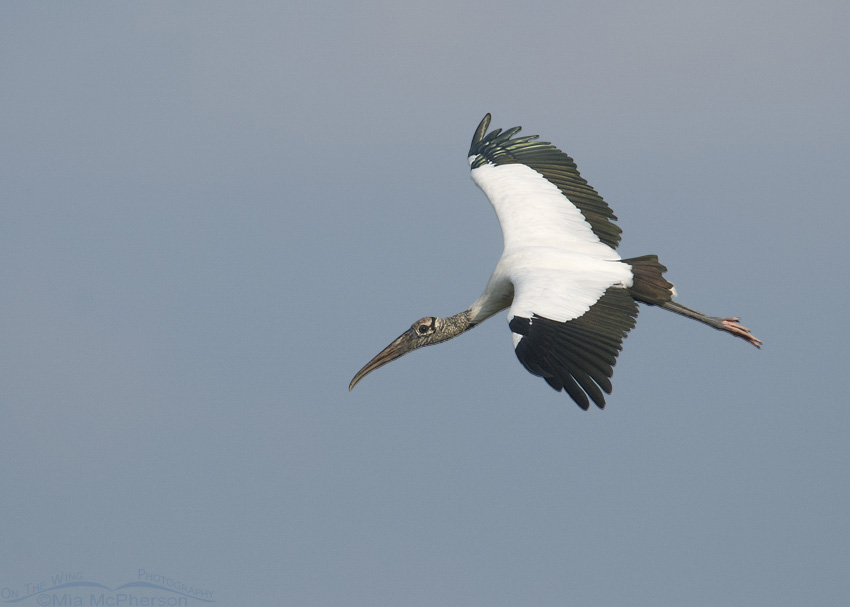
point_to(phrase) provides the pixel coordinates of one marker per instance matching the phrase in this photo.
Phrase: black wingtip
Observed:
(481, 130)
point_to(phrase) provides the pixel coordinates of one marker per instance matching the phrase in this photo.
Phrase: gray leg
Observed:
(730, 325)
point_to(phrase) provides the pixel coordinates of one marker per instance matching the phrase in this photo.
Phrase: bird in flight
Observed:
(572, 299)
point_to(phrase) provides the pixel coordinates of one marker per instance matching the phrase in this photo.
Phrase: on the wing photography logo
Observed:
(149, 589)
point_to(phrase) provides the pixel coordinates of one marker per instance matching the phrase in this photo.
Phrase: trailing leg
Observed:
(650, 287)
(730, 325)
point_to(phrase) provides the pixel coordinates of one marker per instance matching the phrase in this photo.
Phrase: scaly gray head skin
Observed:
(424, 332)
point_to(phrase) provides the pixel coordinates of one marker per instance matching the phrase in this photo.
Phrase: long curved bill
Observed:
(403, 344)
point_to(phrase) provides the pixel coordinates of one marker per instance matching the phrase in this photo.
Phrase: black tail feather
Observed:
(649, 286)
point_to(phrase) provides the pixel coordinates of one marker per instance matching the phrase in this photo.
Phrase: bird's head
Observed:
(424, 332)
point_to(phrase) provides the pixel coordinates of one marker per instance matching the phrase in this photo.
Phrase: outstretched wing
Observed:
(571, 308)
(533, 182)
(577, 355)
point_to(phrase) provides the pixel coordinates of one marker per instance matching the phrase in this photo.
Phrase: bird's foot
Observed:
(732, 326)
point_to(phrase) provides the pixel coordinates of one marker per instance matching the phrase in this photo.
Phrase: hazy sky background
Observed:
(213, 214)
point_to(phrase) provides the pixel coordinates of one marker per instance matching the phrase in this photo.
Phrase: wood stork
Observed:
(572, 298)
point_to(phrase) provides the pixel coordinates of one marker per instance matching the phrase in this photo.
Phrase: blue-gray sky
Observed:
(213, 214)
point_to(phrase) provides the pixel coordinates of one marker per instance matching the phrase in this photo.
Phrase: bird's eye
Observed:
(424, 326)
